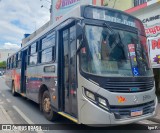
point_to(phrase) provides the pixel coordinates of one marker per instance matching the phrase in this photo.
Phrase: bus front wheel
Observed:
(46, 107)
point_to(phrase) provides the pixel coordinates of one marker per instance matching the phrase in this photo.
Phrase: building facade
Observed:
(149, 14)
(118, 4)
(5, 53)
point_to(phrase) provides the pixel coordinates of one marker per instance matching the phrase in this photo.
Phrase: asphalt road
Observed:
(24, 111)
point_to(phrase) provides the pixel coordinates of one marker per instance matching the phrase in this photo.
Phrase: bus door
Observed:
(23, 71)
(69, 80)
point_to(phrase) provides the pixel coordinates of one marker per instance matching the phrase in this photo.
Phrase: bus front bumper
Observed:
(94, 116)
(134, 119)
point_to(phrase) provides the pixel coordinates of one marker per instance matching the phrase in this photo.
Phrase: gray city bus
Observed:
(92, 67)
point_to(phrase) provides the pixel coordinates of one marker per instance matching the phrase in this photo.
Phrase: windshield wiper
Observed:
(109, 27)
(115, 36)
(115, 39)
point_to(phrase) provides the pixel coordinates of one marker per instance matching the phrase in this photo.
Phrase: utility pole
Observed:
(114, 3)
(50, 9)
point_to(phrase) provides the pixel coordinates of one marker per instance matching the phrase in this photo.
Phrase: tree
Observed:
(3, 64)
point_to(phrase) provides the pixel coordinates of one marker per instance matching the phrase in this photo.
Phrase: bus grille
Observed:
(122, 112)
(129, 87)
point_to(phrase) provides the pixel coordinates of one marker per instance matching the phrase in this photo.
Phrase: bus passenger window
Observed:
(19, 60)
(33, 59)
(47, 55)
(32, 54)
(9, 65)
(47, 52)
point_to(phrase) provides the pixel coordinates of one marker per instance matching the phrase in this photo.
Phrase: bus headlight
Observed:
(96, 99)
(90, 95)
(102, 101)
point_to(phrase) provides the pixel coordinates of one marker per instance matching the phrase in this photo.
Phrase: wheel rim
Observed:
(46, 104)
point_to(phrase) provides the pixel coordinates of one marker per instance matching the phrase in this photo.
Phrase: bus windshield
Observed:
(117, 53)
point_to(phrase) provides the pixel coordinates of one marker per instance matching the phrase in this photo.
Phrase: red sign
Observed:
(153, 31)
(58, 4)
(131, 47)
(65, 3)
(156, 44)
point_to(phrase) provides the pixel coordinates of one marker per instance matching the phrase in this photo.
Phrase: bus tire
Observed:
(13, 90)
(46, 107)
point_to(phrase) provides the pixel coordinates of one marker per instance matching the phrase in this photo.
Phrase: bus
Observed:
(92, 67)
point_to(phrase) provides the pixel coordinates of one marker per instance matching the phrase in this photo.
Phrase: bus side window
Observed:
(18, 60)
(12, 62)
(28, 55)
(15, 61)
(32, 54)
(47, 49)
(7, 64)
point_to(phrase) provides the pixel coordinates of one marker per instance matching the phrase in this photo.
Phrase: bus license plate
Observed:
(136, 112)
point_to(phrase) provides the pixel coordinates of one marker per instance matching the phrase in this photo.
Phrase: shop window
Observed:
(139, 2)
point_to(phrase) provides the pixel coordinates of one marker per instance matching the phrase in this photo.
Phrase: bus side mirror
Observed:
(79, 36)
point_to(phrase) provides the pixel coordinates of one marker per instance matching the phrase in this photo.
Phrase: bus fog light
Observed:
(102, 101)
(90, 95)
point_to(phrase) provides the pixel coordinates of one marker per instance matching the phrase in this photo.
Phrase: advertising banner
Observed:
(153, 31)
(151, 20)
(61, 7)
(154, 44)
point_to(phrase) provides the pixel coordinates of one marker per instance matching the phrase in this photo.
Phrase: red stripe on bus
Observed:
(136, 8)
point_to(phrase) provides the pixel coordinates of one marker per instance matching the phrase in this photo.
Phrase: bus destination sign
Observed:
(109, 15)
